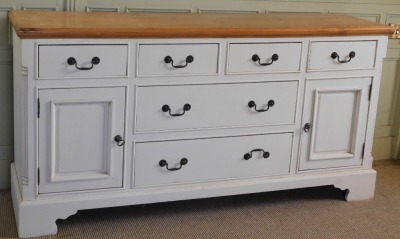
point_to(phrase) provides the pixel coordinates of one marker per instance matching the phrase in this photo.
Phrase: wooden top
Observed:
(46, 24)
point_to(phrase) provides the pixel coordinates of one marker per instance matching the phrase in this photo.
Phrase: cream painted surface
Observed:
(383, 11)
(382, 147)
(387, 93)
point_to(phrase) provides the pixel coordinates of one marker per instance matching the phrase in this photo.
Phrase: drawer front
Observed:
(218, 105)
(212, 158)
(350, 55)
(55, 61)
(264, 57)
(178, 59)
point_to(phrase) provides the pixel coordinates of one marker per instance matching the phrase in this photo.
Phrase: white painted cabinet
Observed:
(127, 120)
(77, 149)
(241, 133)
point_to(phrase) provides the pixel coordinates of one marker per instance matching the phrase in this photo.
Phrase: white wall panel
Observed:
(6, 106)
(5, 27)
(50, 5)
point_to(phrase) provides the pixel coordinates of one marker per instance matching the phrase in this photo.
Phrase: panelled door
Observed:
(334, 122)
(78, 129)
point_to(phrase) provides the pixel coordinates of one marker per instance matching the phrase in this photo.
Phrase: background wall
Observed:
(386, 141)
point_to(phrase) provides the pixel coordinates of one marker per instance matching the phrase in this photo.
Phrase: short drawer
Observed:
(82, 61)
(180, 107)
(211, 159)
(264, 57)
(342, 55)
(178, 59)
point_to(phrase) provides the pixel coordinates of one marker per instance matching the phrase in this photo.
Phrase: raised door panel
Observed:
(76, 132)
(334, 122)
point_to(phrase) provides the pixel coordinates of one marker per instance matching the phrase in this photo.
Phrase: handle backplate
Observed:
(351, 55)
(166, 108)
(164, 163)
(189, 59)
(256, 58)
(248, 156)
(252, 104)
(72, 61)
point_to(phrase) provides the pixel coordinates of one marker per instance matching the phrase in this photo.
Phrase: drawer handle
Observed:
(274, 57)
(71, 61)
(249, 155)
(334, 55)
(119, 140)
(166, 108)
(189, 59)
(307, 127)
(252, 104)
(163, 163)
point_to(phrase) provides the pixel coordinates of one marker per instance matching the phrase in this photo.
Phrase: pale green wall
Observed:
(386, 141)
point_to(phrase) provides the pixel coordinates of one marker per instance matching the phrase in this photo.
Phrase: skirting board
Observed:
(6, 157)
(5, 173)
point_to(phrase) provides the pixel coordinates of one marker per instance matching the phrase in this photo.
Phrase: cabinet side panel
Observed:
(19, 144)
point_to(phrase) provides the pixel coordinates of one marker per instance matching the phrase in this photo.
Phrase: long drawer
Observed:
(179, 107)
(82, 61)
(180, 161)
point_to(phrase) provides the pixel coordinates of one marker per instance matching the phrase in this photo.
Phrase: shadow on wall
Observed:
(5, 173)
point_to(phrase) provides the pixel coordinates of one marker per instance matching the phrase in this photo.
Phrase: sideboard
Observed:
(114, 109)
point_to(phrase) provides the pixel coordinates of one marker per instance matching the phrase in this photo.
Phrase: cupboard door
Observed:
(334, 122)
(77, 149)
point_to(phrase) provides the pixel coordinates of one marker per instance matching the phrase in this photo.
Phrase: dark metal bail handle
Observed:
(119, 140)
(71, 61)
(256, 58)
(164, 163)
(166, 108)
(252, 104)
(351, 55)
(307, 127)
(248, 156)
(168, 59)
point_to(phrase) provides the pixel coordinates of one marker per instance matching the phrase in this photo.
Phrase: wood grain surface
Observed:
(45, 24)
